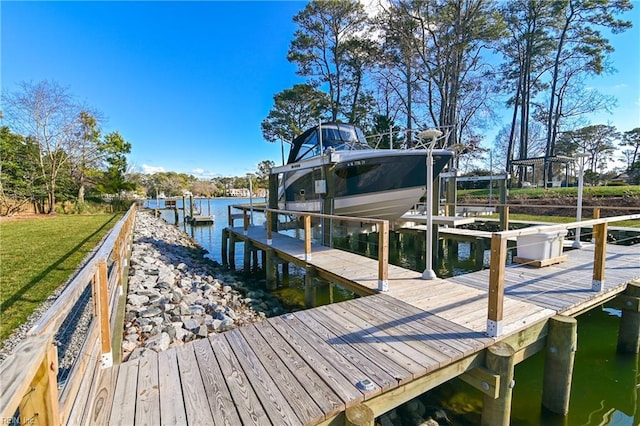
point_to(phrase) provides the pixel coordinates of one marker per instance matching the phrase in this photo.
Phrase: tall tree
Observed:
(580, 49)
(329, 48)
(631, 139)
(526, 49)
(114, 149)
(294, 110)
(597, 140)
(46, 112)
(449, 40)
(86, 151)
(18, 171)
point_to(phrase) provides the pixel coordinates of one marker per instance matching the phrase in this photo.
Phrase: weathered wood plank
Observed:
(274, 402)
(84, 388)
(318, 336)
(301, 402)
(373, 350)
(147, 395)
(193, 390)
(99, 408)
(328, 402)
(247, 403)
(220, 401)
(341, 382)
(172, 411)
(123, 410)
(405, 353)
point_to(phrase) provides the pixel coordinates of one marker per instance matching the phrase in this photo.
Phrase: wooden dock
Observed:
(310, 367)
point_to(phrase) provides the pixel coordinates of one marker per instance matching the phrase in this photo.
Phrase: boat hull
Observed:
(375, 184)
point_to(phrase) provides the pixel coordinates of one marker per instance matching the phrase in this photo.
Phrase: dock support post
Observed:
(285, 274)
(629, 331)
(561, 347)
(500, 359)
(358, 415)
(600, 253)
(309, 286)
(225, 247)
(496, 284)
(504, 217)
(232, 251)
(255, 259)
(247, 256)
(271, 268)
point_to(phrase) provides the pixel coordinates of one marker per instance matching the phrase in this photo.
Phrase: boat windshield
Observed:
(339, 137)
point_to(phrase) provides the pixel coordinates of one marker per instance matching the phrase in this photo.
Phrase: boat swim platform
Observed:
(312, 366)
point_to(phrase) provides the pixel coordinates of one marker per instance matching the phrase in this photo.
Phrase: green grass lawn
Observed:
(537, 193)
(38, 255)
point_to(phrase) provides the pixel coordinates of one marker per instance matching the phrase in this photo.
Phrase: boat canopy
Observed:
(337, 136)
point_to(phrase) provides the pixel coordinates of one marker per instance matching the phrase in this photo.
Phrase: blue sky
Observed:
(188, 83)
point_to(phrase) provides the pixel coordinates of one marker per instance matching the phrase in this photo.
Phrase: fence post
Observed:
(383, 256)
(496, 284)
(102, 311)
(307, 237)
(599, 256)
(40, 405)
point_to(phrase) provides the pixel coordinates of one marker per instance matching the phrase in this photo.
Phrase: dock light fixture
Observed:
(250, 176)
(433, 135)
(581, 160)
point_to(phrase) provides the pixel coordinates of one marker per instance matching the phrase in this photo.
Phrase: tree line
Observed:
(452, 64)
(53, 149)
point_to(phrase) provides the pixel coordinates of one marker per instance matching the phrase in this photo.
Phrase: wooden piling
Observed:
(500, 360)
(359, 415)
(310, 287)
(629, 329)
(247, 256)
(225, 245)
(285, 274)
(232, 251)
(270, 268)
(561, 346)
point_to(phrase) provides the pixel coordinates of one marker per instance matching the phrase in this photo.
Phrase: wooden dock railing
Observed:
(382, 227)
(29, 376)
(499, 256)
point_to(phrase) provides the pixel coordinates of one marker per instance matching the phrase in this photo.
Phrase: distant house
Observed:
(622, 178)
(238, 192)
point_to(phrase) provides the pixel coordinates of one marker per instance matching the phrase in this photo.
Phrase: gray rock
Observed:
(151, 312)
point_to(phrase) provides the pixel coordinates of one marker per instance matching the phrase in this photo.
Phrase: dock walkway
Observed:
(310, 366)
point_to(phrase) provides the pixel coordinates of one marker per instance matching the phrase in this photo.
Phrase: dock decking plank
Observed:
(247, 403)
(148, 395)
(376, 347)
(403, 352)
(324, 397)
(303, 404)
(123, 410)
(273, 401)
(195, 398)
(318, 336)
(172, 411)
(215, 388)
(341, 382)
(403, 330)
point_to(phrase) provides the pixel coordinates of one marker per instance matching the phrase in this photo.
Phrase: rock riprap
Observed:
(173, 296)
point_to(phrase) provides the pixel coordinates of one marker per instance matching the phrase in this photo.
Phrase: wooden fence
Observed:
(29, 376)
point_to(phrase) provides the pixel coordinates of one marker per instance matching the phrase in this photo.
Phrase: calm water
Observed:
(606, 386)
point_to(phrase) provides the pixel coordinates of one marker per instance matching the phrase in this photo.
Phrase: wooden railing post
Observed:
(269, 226)
(307, 237)
(504, 217)
(101, 294)
(245, 220)
(496, 284)
(599, 256)
(383, 256)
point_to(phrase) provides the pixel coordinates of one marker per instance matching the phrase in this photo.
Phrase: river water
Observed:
(606, 385)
